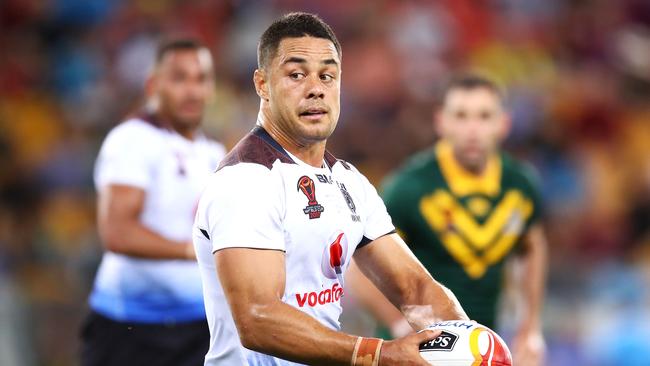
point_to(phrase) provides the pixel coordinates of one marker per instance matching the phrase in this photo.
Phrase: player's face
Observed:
(475, 123)
(304, 87)
(182, 84)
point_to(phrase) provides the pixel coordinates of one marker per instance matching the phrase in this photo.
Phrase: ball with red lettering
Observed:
(465, 343)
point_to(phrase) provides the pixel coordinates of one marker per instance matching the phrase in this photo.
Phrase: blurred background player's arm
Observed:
(120, 229)
(373, 301)
(528, 343)
(391, 266)
(398, 198)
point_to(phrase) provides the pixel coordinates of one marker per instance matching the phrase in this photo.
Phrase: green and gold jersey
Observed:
(460, 226)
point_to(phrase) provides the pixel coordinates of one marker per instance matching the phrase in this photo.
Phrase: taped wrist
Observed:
(366, 352)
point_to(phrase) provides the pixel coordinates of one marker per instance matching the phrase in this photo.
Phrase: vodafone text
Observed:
(320, 298)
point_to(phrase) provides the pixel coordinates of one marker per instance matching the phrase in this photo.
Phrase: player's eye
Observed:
(203, 78)
(326, 77)
(485, 115)
(460, 115)
(297, 75)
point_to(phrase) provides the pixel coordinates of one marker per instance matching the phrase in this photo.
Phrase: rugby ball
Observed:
(465, 343)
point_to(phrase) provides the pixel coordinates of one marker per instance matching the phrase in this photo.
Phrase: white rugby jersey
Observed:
(262, 197)
(173, 171)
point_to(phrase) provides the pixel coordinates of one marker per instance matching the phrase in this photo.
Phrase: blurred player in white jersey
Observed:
(282, 218)
(146, 304)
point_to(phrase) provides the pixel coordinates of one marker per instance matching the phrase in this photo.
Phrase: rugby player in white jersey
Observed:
(282, 218)
(147, 304)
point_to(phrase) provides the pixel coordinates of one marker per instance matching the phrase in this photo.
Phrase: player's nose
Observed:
(315, 88)
(196, 91)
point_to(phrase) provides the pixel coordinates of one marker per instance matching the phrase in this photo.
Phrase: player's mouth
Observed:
(313, 113)
(191, 107)
(472, 150)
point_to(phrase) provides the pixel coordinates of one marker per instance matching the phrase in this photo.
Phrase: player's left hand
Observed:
(529, 348)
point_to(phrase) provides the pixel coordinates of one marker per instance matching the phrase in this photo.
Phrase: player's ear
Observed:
(150, 84)
(261, 84)
(506, 125)
(437, 121)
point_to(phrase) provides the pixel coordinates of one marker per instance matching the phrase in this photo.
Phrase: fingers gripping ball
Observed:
(465, 343)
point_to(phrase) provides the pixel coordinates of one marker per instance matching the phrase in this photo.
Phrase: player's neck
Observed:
(188, 133)
(309, 153)
(185, 130)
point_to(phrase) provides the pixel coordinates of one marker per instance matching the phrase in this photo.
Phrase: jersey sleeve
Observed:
(531, 182)
(378, 223)
(127, 157)
(242, 208)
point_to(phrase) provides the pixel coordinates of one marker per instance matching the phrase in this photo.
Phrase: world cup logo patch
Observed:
(307, 187)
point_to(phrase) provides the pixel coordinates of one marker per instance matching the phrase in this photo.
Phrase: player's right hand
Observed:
(406, 350)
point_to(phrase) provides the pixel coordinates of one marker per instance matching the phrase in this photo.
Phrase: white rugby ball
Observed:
(465, 343)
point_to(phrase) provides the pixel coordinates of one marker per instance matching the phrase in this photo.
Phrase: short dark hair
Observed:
(292, 25)
(468, 81)
(178, 44)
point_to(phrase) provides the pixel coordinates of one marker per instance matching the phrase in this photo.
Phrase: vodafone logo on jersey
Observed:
(326, 296)
(332, 265)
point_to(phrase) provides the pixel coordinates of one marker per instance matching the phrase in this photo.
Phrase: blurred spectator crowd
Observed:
(578, 80)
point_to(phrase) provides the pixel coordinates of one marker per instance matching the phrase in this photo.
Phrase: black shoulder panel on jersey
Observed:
(365, 241)
(257, 147)
(150, 118)
(330, 160)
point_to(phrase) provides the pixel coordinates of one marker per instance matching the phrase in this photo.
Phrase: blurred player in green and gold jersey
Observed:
(465, 208)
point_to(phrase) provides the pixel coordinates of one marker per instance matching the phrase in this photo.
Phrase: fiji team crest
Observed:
(348, 199)
(307, 187)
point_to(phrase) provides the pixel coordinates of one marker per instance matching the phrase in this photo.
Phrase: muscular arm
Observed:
(120, 229)
(253, 281)
(395, 271)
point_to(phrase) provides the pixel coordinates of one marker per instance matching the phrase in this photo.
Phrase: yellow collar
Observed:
(463, 183)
